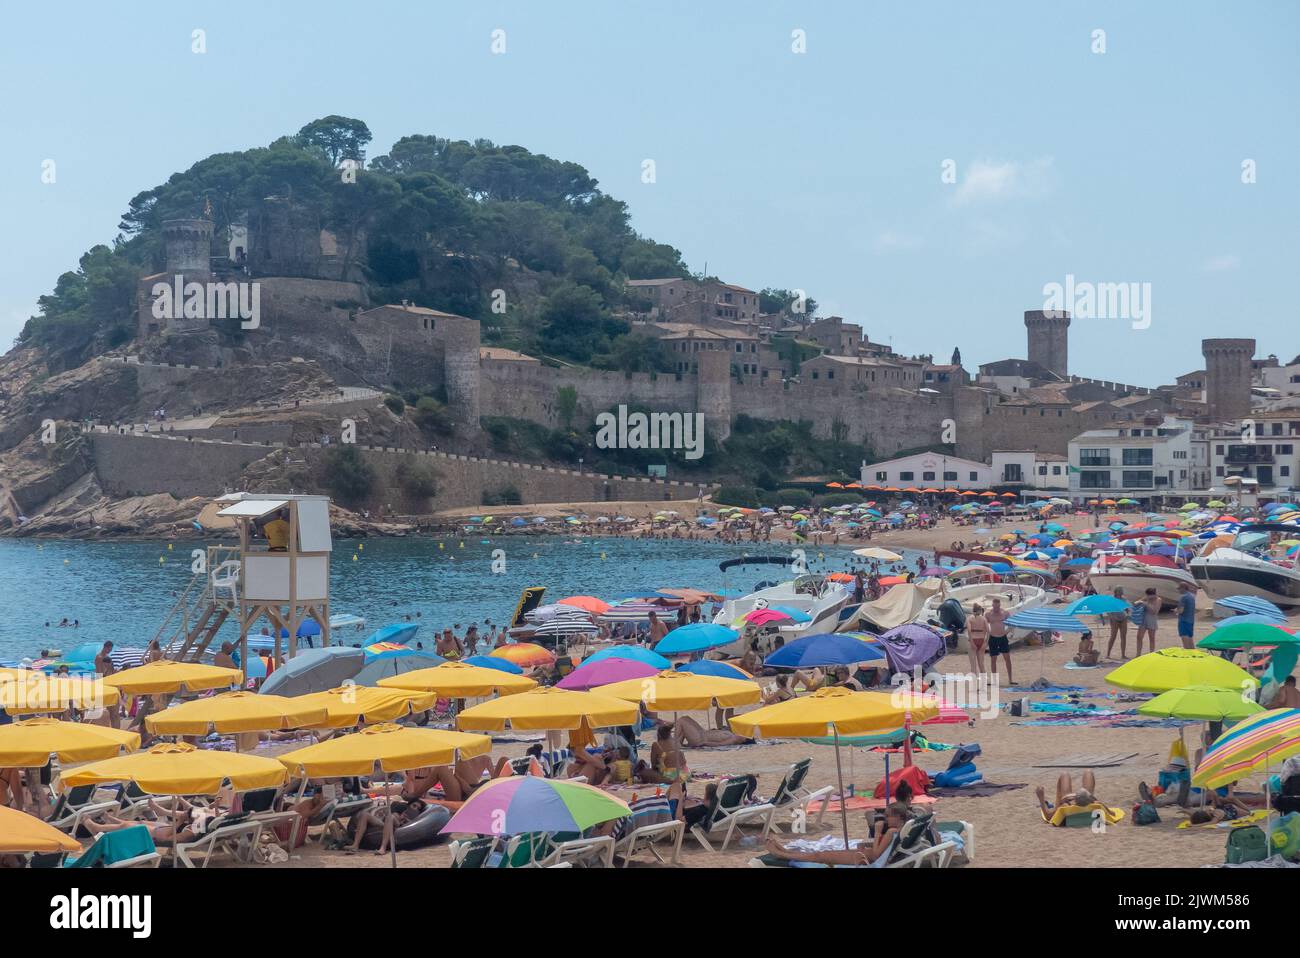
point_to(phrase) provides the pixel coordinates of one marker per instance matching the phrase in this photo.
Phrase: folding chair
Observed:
(125, 848)
(793, 797)
(472, 853)
(233, 834)
(75, 805)
(651, 822)
(732, 812)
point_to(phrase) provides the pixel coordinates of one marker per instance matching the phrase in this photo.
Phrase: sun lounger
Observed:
(126, 848)
(965, 830)
(340, 810)
(732, 812)
(74, 806)
(524, 851)
(472, 853)
(264, 805)
(794, 798)
(232, 834)
(598, 851)
(651, 822)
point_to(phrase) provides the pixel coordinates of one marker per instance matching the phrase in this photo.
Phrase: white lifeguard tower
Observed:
(287, 584)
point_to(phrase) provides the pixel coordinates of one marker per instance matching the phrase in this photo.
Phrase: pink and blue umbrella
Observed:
(530, 803)
(592, 675)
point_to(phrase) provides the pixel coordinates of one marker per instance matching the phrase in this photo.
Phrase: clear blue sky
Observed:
(819, 171)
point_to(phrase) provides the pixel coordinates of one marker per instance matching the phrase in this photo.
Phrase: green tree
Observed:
(338, 137)
(566, 405)
(347, 475)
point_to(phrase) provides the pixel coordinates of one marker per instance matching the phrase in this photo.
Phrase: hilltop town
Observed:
(261, 351)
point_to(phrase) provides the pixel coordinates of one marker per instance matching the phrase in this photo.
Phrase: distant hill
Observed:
(442, 223)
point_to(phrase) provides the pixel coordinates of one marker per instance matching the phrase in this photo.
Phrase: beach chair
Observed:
(916, 846)
(339, 810)
(125, 848)
(650, 824)
(885, 860)
(732, 812)
(76, 805)
(556, 762)
(794, 798)
(225, 578)
(264, 805)
(965, 830)
(473, 853)
(596, 851)
(235, 835)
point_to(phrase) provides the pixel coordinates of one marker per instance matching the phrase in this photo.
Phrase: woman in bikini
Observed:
(882, 838)
(977, 629)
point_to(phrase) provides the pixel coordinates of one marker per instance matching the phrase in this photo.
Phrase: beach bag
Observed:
(1248, 843)
(1146, 814)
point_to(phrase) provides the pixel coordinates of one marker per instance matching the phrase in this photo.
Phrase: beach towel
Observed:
(1077, 666)
(1254, 817)
(978, 790)
(864, 802)
(1073, 816)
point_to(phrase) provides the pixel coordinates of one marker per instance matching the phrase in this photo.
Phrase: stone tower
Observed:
(189, 247)
(460, 366)
(1228, 377)
(1049, 340)
(713, 391)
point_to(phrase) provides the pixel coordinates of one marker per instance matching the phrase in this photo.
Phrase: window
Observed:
(950, 477)
(1218, 470)
(1042, 470)
(830, 374)
(1094, 480)
(1056, 470)
(927, 477)
(814, 374)
(1284, 449)
(1138, 479)
(1137, 457)
(1094, 457)
(974, 477)
(905, 476)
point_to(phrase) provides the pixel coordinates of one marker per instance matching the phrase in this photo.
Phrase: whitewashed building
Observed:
(1140, 459)
(1265, 448)
(1030, 469)
(928, 470)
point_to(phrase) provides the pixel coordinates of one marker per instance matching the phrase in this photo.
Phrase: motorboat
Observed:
(818, 599)
(1247, 566)
(1137, 573)
(972, 584)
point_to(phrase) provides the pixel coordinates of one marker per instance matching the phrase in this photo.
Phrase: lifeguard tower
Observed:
(285, 578)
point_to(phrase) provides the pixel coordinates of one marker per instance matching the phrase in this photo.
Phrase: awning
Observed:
(254, 507)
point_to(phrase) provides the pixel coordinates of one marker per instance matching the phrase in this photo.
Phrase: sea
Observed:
(123, 591)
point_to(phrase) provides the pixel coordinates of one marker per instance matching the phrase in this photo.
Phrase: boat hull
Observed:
(1227, 572)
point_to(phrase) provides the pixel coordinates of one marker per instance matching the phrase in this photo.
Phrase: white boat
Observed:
(1247, 568)
(1135, 574)
(815, 596)
(979, 584)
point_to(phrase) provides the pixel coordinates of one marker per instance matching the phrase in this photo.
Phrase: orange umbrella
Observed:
(930, 491)
(875, 488)
(970, 493)
(892, 489)
(1108, 502)
(854, 485)
(524, 654)
(990, 495)
(1008, 495)
(588, 603)
(834, 485)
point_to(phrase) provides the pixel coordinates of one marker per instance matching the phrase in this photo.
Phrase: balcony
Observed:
(1085, 461)
(1248, 455)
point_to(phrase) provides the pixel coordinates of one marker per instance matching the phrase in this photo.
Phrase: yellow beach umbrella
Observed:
(30, 744)
(874, 552)
(833, 711)
(235, 712)
(397, 748)
(548, 708)
(459, 680)
(179, 769)
(349, 705)
(36, 693)
(21, 833)
(673, 691)
(1166, 669)
(154, 678)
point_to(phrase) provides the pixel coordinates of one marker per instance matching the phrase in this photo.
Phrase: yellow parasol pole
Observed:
(839, 774)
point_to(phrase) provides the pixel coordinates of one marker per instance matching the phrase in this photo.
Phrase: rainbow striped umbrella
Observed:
(1249, 747)
(529, 803)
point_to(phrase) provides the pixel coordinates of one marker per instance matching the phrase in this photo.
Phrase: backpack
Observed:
(1146, 814)
(1246, 843)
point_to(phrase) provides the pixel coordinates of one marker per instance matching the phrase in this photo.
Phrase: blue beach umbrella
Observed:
(493, 662)
(823, 650)
(1046, 620)
(697, 637)
(1096, 605)
(712, 667)
(1253, 604)
(796, 615)
(636, 653)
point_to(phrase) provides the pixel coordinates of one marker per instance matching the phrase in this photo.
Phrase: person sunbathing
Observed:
(691, 734)
(458, 781)
(667, 761)
(183, 823)
(1066, 794)
(880, 842)
(391, 815)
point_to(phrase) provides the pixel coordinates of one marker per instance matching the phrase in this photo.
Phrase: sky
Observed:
(927, 170)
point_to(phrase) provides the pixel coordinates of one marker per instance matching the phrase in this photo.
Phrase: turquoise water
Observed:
(121, 591)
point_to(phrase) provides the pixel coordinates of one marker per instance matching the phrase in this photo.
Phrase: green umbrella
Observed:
(1202, 703)
(1246, 635)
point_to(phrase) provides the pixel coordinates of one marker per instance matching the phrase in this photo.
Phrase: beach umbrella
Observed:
(671, 691)
(697, 637)
(723, 670)
(524, 654)
(234, 712)
(590, 675)
(176, 768)
(835, 712)
(167, 676)
(1244, 635)
(1202, 703)
(315, 670)
(587, 603)
(1096, 605)
(1258, 619)
(461, 681)
(350, 705)
(1166, 669)
(1250, 603)
(34, 693)
(489, 662)
(1250, 746)
(1045, 620)
(395, 748)
(390, 665)
(637, 653)
(552, 627)
(530, 803)
(874, 552)
(762, 617)
(548, 708)
(826, 649)
(30, 744)
(21, 834)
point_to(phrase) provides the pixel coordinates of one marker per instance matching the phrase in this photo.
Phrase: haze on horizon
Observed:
(819, 170)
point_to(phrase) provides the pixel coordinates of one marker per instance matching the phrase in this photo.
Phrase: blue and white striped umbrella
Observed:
(1046, 620)
(1252, 604)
